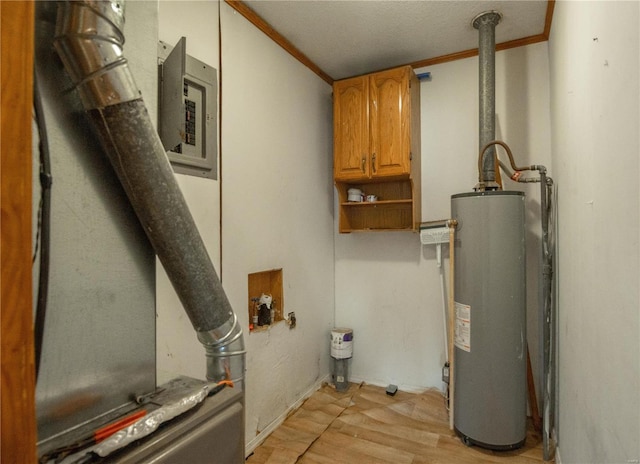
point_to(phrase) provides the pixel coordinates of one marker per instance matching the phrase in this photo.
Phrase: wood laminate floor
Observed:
(365, 425)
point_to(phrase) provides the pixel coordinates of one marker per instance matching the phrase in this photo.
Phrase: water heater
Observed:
(490, 356)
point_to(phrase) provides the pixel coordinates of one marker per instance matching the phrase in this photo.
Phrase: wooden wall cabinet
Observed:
(376, 148)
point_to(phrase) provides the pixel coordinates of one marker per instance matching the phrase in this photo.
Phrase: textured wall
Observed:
(277, 211)
(595, 54)
(179, 352)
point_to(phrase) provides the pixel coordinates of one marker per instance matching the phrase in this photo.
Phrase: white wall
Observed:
(276, 211)
(595, 52)
(387, 284)
(178, 351)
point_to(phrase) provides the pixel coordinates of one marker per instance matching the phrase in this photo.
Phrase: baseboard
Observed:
(402, 387)
(268, 430)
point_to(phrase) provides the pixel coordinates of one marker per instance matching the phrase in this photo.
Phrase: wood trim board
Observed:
(18, 365)
(274, 35)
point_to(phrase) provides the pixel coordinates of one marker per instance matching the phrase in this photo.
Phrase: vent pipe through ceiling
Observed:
(486, 24)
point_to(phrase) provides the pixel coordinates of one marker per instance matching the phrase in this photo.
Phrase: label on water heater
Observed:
(463, 327)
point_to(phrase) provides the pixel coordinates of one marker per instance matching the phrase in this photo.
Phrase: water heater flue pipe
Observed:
(486, 24)
(89, 40)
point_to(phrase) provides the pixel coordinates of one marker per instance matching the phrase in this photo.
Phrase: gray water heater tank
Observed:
(490, 391)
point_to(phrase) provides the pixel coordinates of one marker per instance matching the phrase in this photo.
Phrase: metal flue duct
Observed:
(89, 40)
(486, 24)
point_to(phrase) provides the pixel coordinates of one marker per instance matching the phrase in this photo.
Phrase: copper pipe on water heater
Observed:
(481, 157)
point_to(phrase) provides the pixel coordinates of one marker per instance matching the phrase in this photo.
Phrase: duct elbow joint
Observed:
(225, 352)
(89, 41)
(538, 167)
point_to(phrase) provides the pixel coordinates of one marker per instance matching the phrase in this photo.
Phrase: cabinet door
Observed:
(351, 128)
(390, 113)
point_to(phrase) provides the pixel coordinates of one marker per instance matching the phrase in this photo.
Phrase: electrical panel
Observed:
(188, 111)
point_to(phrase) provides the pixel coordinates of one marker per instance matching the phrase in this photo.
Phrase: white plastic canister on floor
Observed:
(341, 352)
(341, 343)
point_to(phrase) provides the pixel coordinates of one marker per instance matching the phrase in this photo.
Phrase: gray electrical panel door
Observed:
(188, 124)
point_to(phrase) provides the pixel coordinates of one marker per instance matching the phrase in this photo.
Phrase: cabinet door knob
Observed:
(373, 162)
(364, 162)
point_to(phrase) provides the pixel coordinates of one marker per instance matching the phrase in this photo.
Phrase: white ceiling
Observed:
(350, 37)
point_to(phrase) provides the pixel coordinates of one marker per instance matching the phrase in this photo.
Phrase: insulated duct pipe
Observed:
(486, 24)
(89, 40)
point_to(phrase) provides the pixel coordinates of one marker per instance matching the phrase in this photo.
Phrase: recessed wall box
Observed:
(188, 111)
